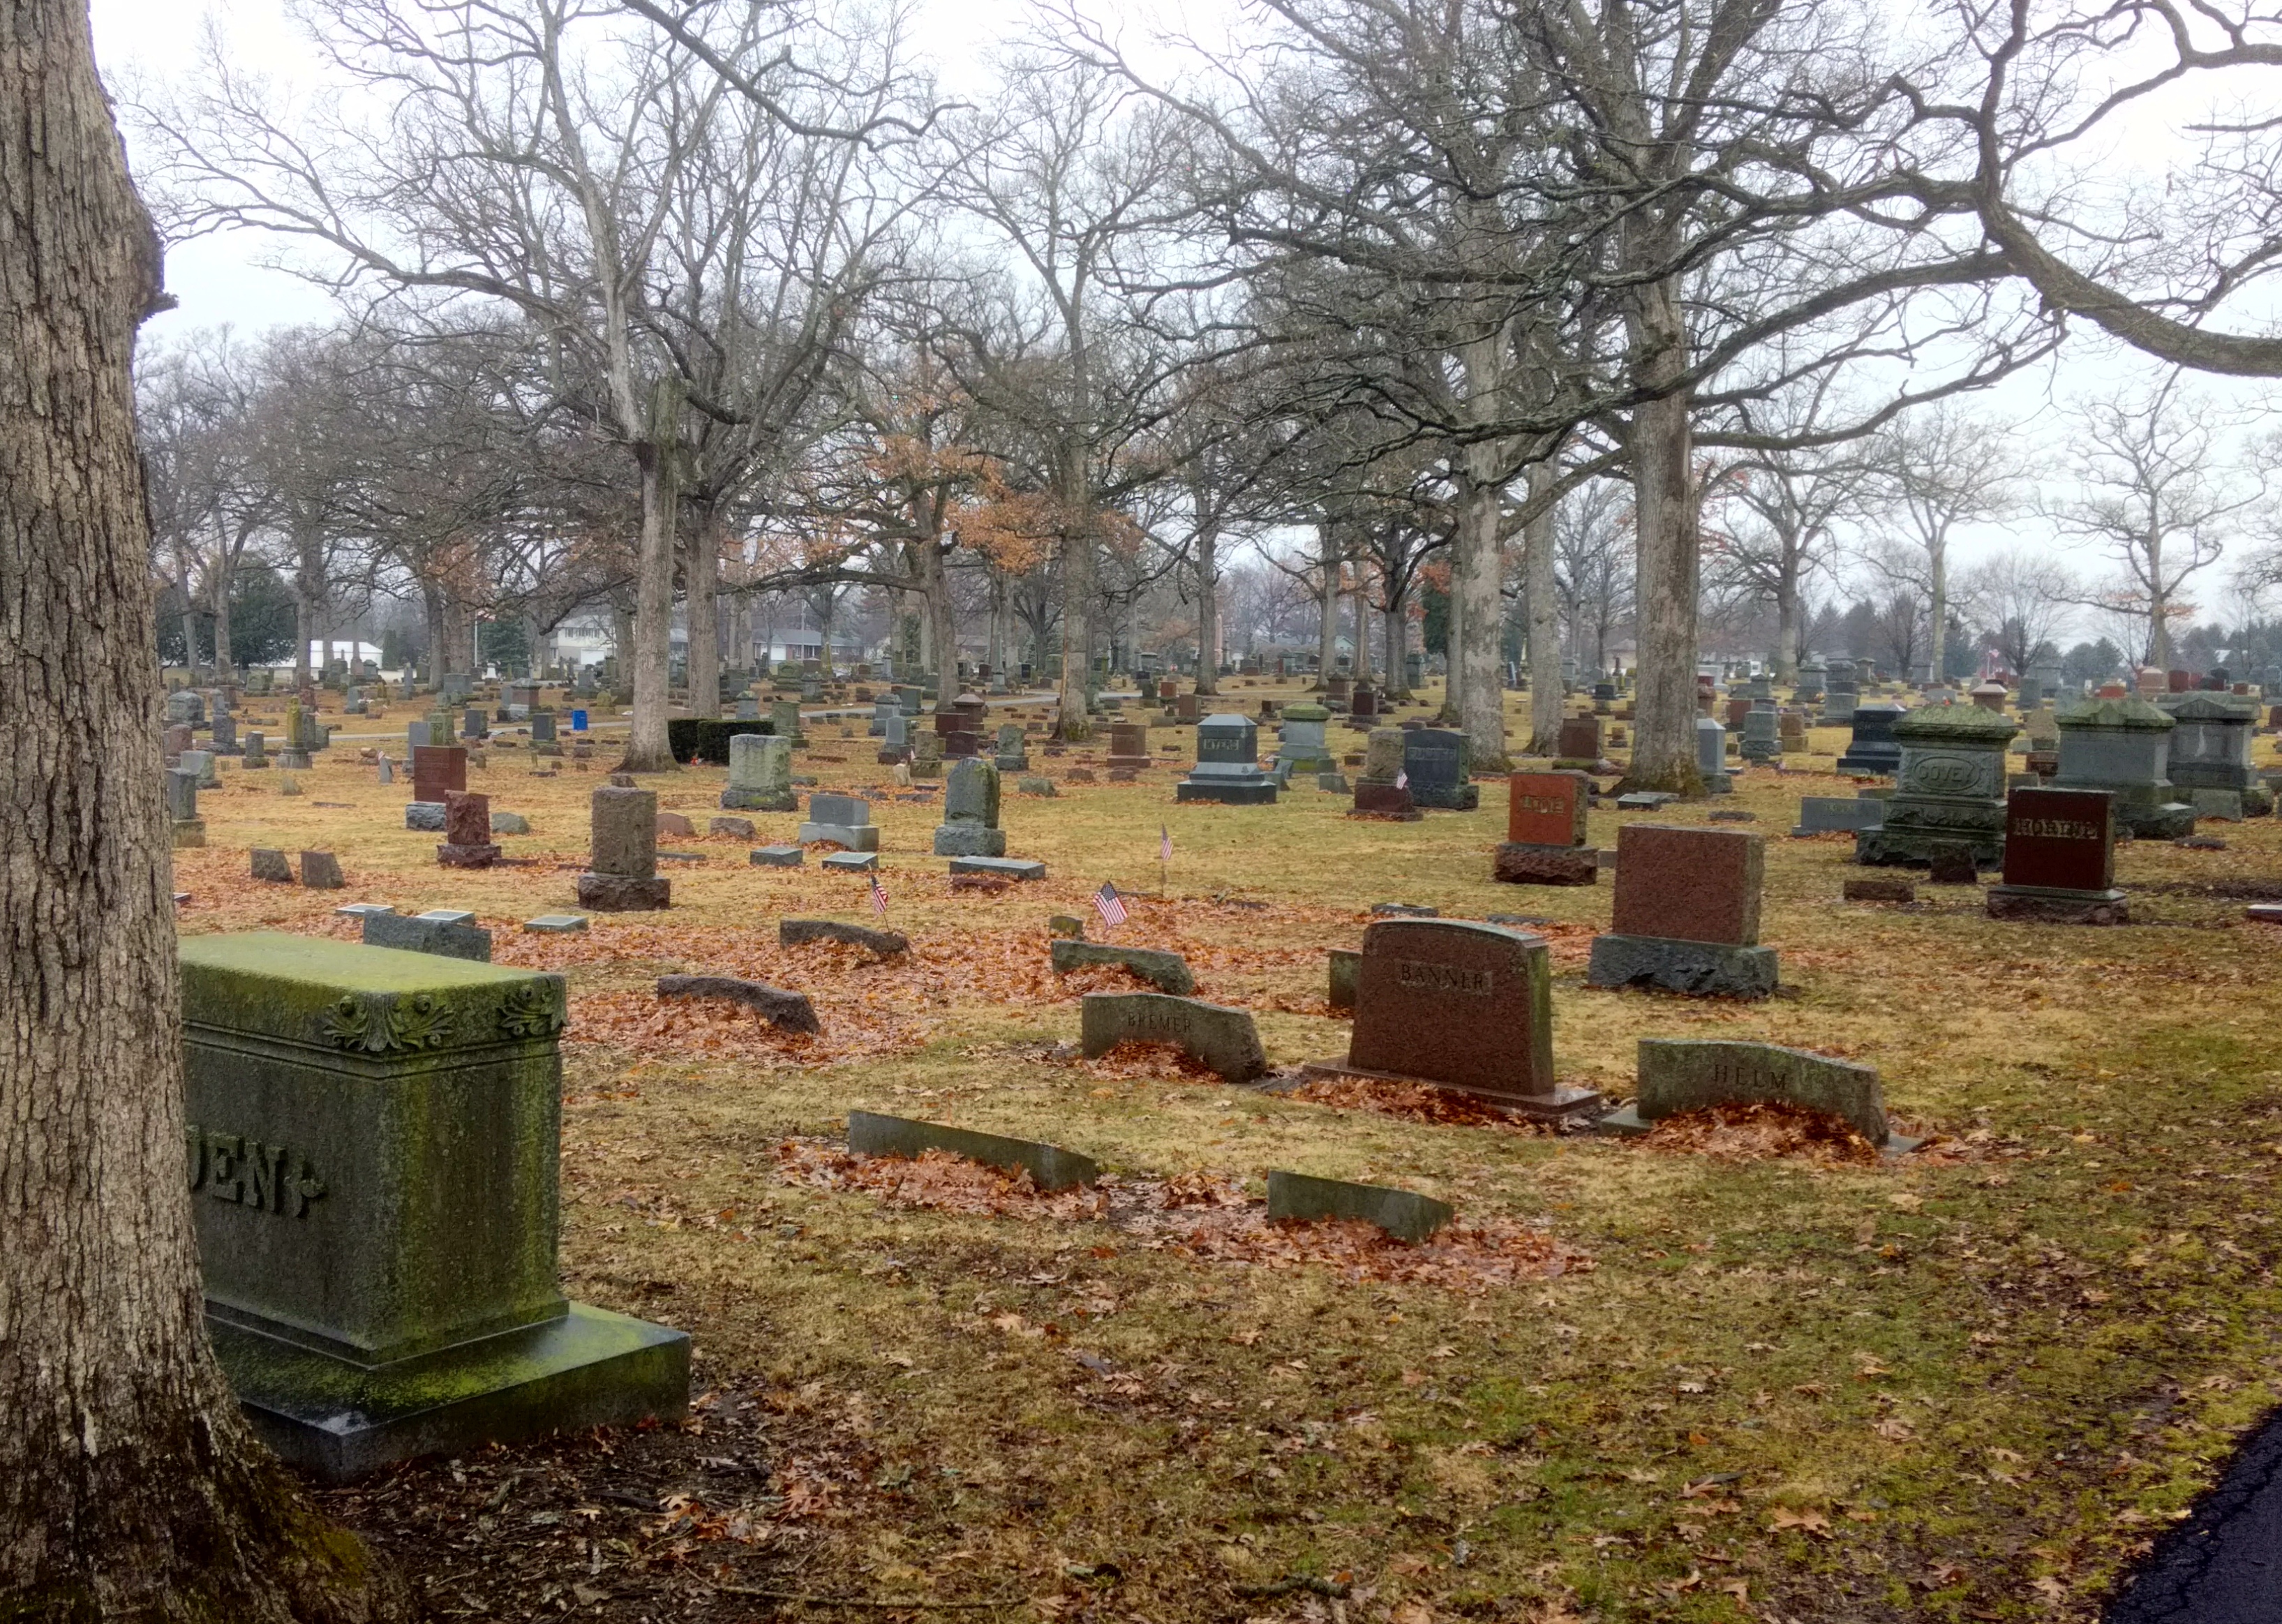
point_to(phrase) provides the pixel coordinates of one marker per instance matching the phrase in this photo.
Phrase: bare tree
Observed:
(1942, 470)
(2023, 598)
(2157, 493)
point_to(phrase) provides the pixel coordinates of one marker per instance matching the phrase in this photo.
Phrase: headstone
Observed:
(2124, 746)
(1437, 761)
(1227, 769)
(1686, 914)
(842, 820)
(202, 763)
(1873, 749)
(2059, 859)
(2210, 744)
(373, 1158)
(776, 857)
(256, 751)
(622, 873)
(424, 816)
(1296, 1198)
(1762, 734)
(1377, 794)
(1990, 696)
(224, 740)
(1578, 745)
(1949, 789)
(760, 775)
(543, 739)
(1169, 971)
(448, 933)
(927, 754)
(1830, 814)
(1808, 688)
(1225, 1040)
(190, 829)
(1128, 747)
(1841, 693)
(1012, 755)
(970, 812)
(1463, 1006)
(466, 832)
(1545, 831)
(784, 722)
(321, 871)
(1677, 1075)
(1049, 1166)
(1299, 744)
(271, 866)
(439, 770)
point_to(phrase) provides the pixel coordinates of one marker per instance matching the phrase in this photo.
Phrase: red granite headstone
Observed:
(1690, 885)
(437, 770)
(2179, 681)
(1547, 809)
(1466, 1005)
(2060, 839)
(1579, 739)
(1737, 710)
(466, 832)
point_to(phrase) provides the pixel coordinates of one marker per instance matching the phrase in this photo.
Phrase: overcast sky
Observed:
(221, 280)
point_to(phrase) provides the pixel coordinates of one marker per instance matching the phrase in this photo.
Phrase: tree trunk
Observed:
(1360, 601)
(647, 750)
(129, 1484)
(1398, 651)
(1327, 610)
(1542, 580)
(1663, 748)
(2159, 606)
(1476, 621)
(1079, 577)
(1937, 629)
(431, 599)
(1787, 630)
(703, 613)
(1208, 608)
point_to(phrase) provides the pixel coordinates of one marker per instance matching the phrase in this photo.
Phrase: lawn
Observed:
(1733, 1370)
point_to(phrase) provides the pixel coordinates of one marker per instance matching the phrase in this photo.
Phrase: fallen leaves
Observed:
(1758, 1132)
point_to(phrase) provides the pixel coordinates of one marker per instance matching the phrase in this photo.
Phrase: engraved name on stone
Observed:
(230, 1166)
(2055, 828)
(1429, 977)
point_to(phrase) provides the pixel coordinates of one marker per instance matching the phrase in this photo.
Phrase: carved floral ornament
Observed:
(381, 1023)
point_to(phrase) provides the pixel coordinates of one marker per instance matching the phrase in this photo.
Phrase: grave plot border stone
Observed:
(1169, 972)
(786, 1010)
(1227, 1040)
(801, 932)
(1051, 1167)
(1689, 1073)
(380, 1262)
(1003, 867)
(1405, 1215)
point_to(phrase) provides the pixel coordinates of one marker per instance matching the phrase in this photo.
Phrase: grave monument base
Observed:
(759, 800)
(1564, 1101)
(1893, 846)
(340, 1421)
(1518, 863)
(1261, 794)
(466, 857)
(2049, 905)
(1447, 797)
(1699, 970)
(623, 893)
(969, 840)
(190, 832)
(852, 836)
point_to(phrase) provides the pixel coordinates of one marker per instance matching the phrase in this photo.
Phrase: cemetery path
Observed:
(2223, 1565)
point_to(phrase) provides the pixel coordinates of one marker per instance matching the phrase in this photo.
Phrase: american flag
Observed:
(878, 895)
(1164, 843)
(1401, 779)
(1109, 904)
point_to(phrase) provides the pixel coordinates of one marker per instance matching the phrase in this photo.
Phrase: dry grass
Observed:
(1791, 1384)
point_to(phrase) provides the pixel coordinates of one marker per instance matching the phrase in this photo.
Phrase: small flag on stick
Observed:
(1109, 904)
(879, 896)
(1401, 779)
(1164, 843)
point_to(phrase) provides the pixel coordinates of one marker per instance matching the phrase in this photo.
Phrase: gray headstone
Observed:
(442, 931)
(1224, 1039)
(1404, 1214)
(1050, 1166)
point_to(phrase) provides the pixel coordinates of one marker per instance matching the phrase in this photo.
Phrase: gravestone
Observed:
(1762, 737)
(1686, 914)
(895, 739)
(1300, 743)
(1808, 688)
(256, 751)
(473, 725)
(424, 816)
(1459, 1006)
(1828, 814)
(970, 811)
(1050, 1166)
(224, 740)
(1129, 746)
(2210, 747)
(437, 770)
(418, 735)
(374, 1154)
(1169, 971)
(270, 865)
(1296, 1198)
(1377, 794)
(1437, 761)
(1012, 756)
(1948, 791)
(622, 874)
(840, 821)
(1545, 831)
(1873, 750)
(1712, 757)
(1224, 1039)
(1841, 693)
(544, 741)
(760, 775)
(190, 829)
(784, 723)
(776, 857)
(1679, 1075)
(1227, 769)
(321, 871)
(2123, 746)
(927, 754)
(450, 932)
(2059, 859)
(1578, 745)
(466, 832)
(201, 763)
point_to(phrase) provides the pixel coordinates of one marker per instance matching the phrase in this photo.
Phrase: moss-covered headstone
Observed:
(1949, 789)
(372, 1153)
